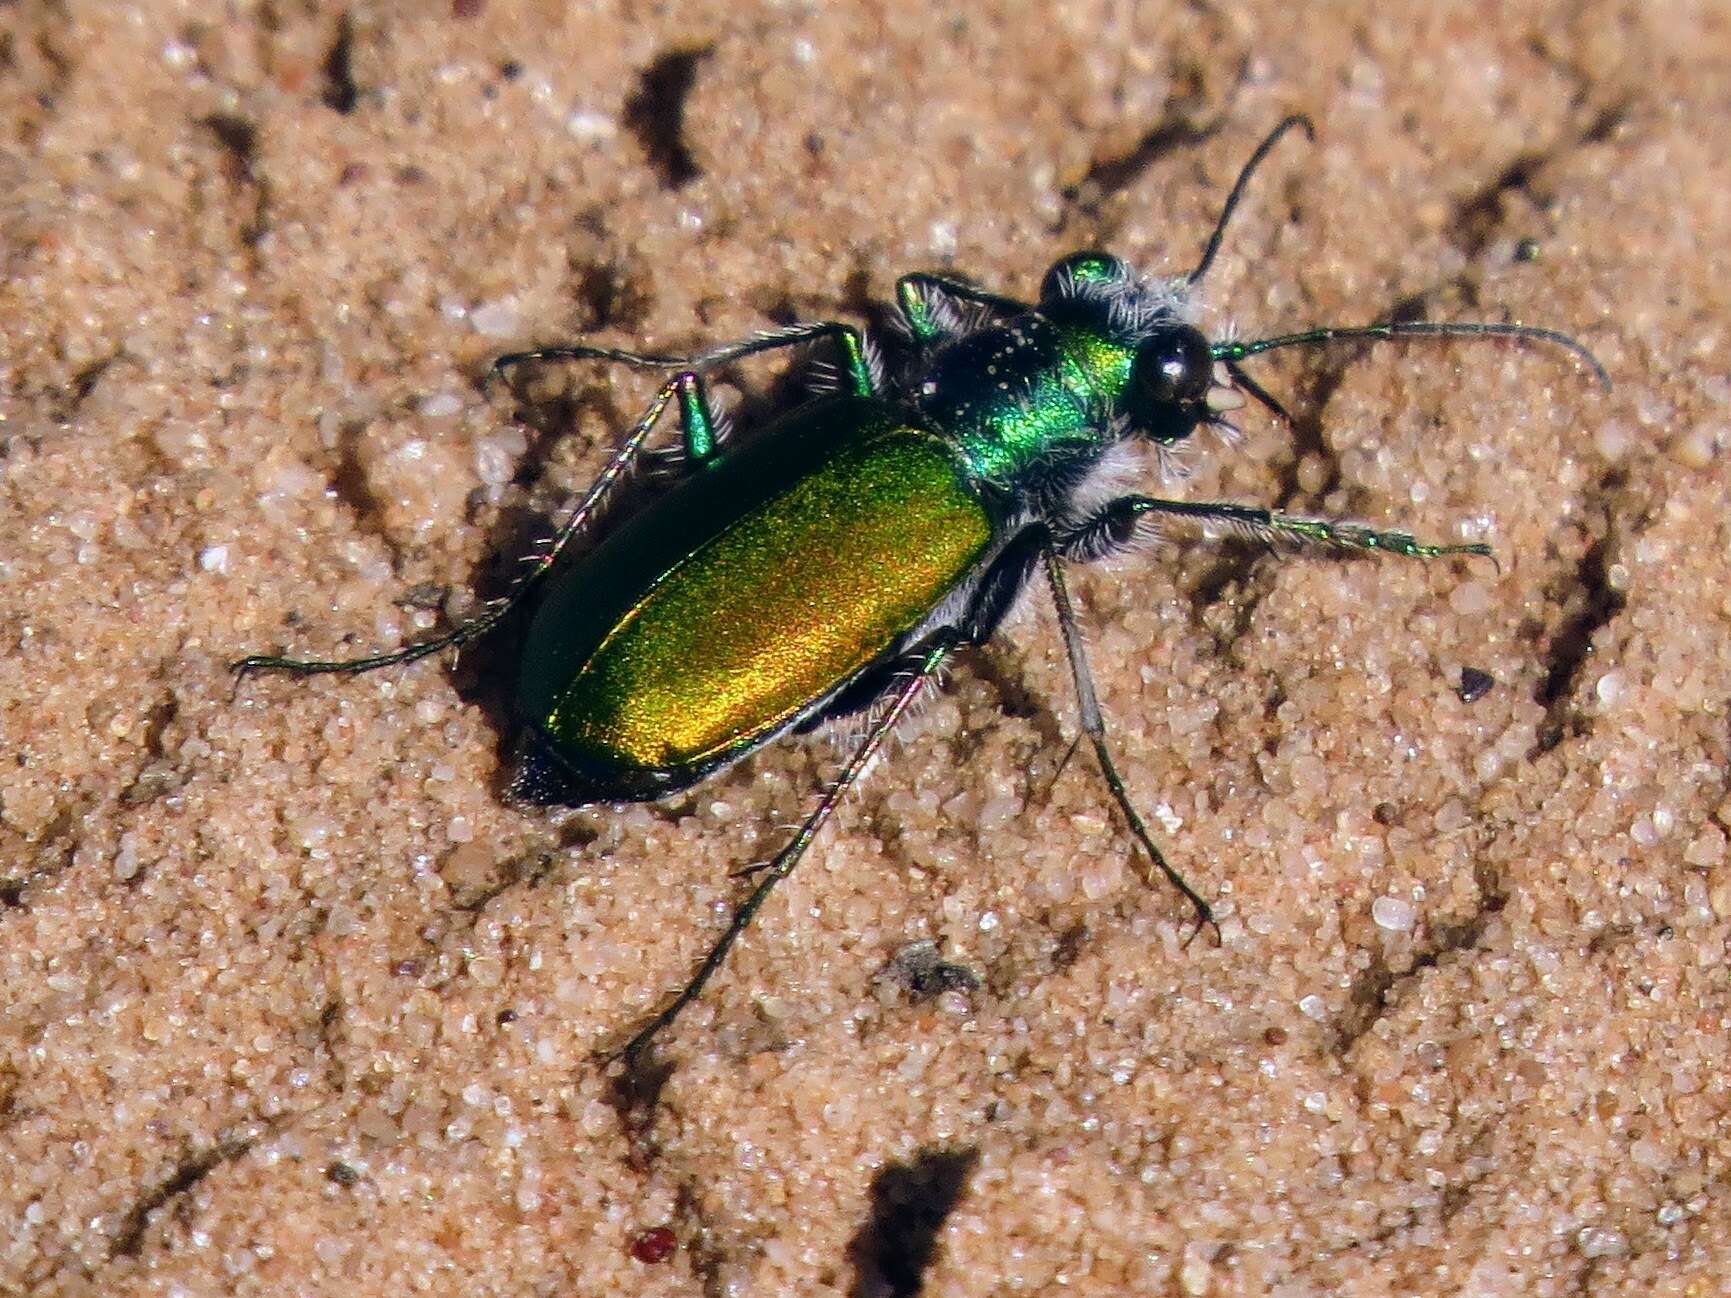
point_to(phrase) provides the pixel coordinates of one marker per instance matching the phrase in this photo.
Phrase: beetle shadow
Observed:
(484, 674)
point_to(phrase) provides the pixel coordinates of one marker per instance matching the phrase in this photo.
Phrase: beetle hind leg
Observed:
(933, 654)
(699, 436)
(848, 340)
(992, 601)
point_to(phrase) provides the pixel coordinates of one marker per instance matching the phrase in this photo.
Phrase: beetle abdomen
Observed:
(783, 605)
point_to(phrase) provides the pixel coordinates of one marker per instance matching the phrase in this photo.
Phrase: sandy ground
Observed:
(292, 1001)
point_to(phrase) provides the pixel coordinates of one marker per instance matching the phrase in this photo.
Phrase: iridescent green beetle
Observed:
(834, 563)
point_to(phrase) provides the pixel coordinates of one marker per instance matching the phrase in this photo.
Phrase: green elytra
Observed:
(835, 563)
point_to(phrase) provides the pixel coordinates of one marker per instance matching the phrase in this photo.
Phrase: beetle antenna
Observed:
(1238, 187)
(1233, 352)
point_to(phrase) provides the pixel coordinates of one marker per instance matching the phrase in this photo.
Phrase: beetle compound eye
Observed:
(1169, 382)
(1173, 366)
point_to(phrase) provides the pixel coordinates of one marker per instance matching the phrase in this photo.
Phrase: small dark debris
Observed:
(510, 69)
(1477, 219)
(407, 968)
(1070, 944)
(1606, 125)
(342, 1174)
(129, 1240)
(240, 138)
(1274, 1036)
(923, 973)
(910, 1203)
(1527, 250)
(505, 1017)
(341, 93)
(150, 784)
(655, 114)
(1593, 603)
(613, 297)
(1475, 684)
(653, 1245)
(429, 595)
(83, 383)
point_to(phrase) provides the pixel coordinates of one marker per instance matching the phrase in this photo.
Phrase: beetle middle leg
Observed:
(698, 424)
(928, 304)
(1094, 726)
(1112, 527)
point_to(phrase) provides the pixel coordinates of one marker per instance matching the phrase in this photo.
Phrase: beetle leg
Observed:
(928, 304)
(1004, 583)
(684, 386)
(1094, 726)
(697, 421)
(846, 337)
(1113, 525)
(931, 659)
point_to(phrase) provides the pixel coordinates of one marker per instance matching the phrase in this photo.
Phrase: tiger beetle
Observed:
(835, 563)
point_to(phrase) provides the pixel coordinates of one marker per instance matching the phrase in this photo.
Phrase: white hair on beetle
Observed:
(1119, 468)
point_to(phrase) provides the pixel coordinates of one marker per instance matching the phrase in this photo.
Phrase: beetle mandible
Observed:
(832, 565)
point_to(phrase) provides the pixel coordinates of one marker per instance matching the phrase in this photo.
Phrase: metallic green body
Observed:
(736, 603)
(1021, 399)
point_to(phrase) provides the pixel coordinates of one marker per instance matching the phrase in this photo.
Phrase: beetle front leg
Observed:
(1114, 525)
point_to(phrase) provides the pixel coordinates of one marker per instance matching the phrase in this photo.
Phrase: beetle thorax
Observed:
(1027, 401)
